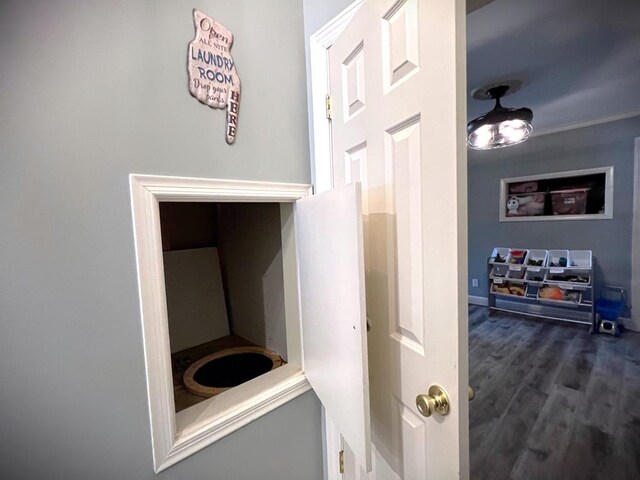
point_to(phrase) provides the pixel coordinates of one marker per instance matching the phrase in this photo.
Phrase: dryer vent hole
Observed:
(232, 370)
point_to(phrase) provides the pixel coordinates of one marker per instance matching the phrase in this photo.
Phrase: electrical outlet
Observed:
(474, 282)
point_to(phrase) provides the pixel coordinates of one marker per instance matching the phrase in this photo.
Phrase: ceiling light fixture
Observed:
(501, 127)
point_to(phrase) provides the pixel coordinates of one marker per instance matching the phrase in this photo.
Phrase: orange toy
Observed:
(552, 293)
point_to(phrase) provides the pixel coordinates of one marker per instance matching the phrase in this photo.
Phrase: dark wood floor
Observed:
(552, 402)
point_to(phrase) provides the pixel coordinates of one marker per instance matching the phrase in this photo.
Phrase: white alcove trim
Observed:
(176, 436)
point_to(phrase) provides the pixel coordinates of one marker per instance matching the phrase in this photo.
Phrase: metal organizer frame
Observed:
(581, 311)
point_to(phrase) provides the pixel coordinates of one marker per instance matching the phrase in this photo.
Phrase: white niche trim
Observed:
(176, 436)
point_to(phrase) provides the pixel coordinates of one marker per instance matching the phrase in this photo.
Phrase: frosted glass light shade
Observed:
(498, 135)
(501, 127)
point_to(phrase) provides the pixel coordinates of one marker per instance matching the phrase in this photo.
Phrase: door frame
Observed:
(319, 124)
(635, 241)
(322, 170)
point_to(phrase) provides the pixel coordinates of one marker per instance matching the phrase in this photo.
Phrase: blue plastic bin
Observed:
(611, 304)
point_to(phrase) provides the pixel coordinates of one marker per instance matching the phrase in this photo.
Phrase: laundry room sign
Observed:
(213, 77)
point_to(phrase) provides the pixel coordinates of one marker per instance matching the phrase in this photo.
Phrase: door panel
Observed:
(334, 332)
(400, 43)
(398, 74)
(413, 435)
(403, 179)
(353, 82)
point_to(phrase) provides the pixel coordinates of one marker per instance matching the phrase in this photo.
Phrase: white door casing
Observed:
(397, 82)
(635, 242)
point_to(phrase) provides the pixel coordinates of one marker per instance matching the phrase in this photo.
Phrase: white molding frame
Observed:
(319, 44)
(608, 196)
(175, 437)
(634, 323)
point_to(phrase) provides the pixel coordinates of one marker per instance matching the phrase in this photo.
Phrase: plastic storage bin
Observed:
(532, 291)
(516, 272)
(556, 294)
(580, 258)
(500, 287)
(499, 271)
(499, 255)
(573, 276)
(611, 303)
(536, 258)
(569, 202)
(555, 258)
(535, 274)
(517, 256)
(524, 187)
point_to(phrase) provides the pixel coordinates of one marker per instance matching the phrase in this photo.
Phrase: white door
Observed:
(397, 86)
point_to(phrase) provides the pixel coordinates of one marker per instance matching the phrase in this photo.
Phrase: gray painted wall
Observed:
(597, 146)
(90, 92)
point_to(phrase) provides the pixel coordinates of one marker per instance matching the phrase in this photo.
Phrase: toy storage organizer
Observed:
(555, 284)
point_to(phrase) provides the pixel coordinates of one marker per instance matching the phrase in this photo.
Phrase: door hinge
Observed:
(341, 460)
(328, 105)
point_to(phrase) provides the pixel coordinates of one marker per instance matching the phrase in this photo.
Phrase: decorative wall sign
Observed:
(213, 78)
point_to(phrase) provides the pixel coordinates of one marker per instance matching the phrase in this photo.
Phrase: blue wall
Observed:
(596, 146)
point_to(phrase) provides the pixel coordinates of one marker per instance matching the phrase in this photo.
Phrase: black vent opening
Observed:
(232, 370)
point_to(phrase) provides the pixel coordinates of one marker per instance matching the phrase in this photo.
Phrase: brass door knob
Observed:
(472, 394)
(436, 401)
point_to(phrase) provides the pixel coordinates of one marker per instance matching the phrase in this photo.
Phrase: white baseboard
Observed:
(482, 301)
(629, 324)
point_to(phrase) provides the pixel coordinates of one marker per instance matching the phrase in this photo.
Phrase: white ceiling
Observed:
(579, 59)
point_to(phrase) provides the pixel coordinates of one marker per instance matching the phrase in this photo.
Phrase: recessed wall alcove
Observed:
(223, 273)
(265, 271)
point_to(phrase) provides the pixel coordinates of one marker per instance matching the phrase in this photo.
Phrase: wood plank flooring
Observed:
(552, 402)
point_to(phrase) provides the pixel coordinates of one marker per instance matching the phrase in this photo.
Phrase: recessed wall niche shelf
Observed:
(556, 284)
(323, 303)
(573, 195)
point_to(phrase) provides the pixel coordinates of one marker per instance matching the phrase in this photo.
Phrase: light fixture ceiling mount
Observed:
(501, 127)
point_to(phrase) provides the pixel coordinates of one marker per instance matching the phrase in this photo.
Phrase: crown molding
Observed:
(589, 123)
